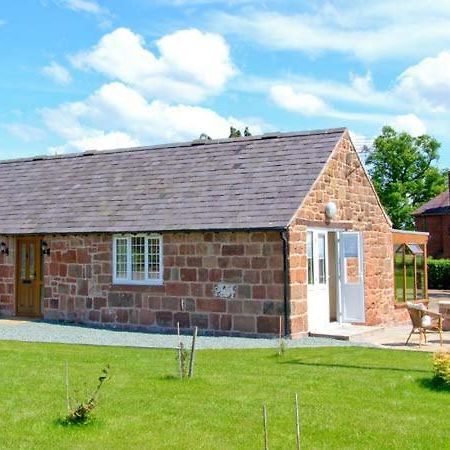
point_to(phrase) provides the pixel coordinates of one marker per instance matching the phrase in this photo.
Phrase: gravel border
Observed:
(39, 331)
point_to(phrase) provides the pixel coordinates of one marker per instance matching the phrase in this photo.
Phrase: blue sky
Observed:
(84, 74)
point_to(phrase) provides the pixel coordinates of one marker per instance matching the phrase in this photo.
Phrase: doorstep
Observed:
(346, 331)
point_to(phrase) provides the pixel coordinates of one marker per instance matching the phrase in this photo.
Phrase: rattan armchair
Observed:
(423, 321)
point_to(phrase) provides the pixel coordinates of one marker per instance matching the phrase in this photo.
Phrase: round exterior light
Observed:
(330, 210)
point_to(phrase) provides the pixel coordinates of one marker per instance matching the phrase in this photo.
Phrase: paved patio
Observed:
(395, 337)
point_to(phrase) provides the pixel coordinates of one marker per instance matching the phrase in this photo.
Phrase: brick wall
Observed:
(78, 283)
(7, 278)
(344, 182)
(439, 228)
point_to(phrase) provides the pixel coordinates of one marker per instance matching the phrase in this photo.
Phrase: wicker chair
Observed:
(424, 320)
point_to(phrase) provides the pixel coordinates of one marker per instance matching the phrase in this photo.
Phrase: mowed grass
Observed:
(349, 398)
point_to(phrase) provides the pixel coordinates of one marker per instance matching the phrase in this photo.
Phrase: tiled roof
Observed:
(437, 205)
(247, 183)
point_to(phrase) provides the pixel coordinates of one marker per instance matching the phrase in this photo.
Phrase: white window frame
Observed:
(128, 280)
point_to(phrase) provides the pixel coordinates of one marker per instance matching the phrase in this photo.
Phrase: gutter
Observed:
(287, 309)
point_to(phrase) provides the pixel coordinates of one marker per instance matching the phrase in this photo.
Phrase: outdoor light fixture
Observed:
(330, 210)
(4, 248)
(45, 248)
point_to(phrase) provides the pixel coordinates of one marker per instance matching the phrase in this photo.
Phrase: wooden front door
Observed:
(29, 276)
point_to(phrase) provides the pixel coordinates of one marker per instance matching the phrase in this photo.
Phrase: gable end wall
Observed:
(344, 182)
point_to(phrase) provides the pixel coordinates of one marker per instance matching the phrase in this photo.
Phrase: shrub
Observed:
(439, 273)
(441, 367)
(81, 413)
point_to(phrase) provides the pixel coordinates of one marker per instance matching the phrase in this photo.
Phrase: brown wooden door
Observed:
(29, 258)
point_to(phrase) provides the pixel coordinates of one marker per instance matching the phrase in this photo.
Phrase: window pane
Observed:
(121, 258)
(23, 261)
(398, 273)
(153, 258)
(350, 245)
(31, 262)
(352, 270)
(310, 253)
(420, 277)
(409, 265)
(138, 258)
(322, 262)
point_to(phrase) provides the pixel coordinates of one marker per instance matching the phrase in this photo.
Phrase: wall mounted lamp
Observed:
(45, 248)
(4, 248)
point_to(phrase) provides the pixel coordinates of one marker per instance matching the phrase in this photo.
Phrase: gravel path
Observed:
(37, 331)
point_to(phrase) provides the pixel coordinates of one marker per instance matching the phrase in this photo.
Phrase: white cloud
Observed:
(367, 30)
(87, 6)
(307, 104)
(119, 116)
(57, 73)
(427, 83)
(192, 65)
(409, 123)
(292, 99)
(90, 7)
(24, 132)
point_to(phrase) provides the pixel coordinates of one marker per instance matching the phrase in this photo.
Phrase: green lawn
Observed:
(349, 398)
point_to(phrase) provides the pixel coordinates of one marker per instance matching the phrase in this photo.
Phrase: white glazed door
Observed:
(318, 292)
(351, 276)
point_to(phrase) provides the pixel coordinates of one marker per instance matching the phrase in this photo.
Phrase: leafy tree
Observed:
(404, 172)
(236, 133)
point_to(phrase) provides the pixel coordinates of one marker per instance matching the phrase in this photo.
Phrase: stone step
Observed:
(347, 332)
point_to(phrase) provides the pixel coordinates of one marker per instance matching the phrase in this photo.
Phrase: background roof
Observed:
(437, 205)
(246, 183)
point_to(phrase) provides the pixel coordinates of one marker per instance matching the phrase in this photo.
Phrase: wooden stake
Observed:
(67, 386)
(280, 330)
(180, 350)
(191, 359)
(266, 436)
(297, 422)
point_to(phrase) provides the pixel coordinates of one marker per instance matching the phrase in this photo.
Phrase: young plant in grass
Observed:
(441, 367)
(79, 411)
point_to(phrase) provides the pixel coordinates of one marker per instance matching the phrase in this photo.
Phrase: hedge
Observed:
(439, 273)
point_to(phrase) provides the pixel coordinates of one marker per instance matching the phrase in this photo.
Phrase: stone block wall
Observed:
(78, 283)
(7, 278)
(345, 183)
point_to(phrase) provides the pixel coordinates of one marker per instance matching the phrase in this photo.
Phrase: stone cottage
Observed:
(235, 236)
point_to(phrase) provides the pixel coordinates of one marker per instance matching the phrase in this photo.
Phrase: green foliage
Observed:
(439, 273)
(282, 347)
(441, 367)
(404, 172)
(81, 413)
(236, 133)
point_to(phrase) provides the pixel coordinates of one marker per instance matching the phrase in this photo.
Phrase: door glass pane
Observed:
(138, 258)
(31, 263)
(23, 261)
(351, 258)
(321, 256)
(153, 270)
(310, 254)
(121, 258)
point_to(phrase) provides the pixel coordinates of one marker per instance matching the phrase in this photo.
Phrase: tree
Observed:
(404, 172)
(236, 133)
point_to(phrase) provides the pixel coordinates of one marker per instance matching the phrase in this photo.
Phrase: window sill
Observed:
(137, 283)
